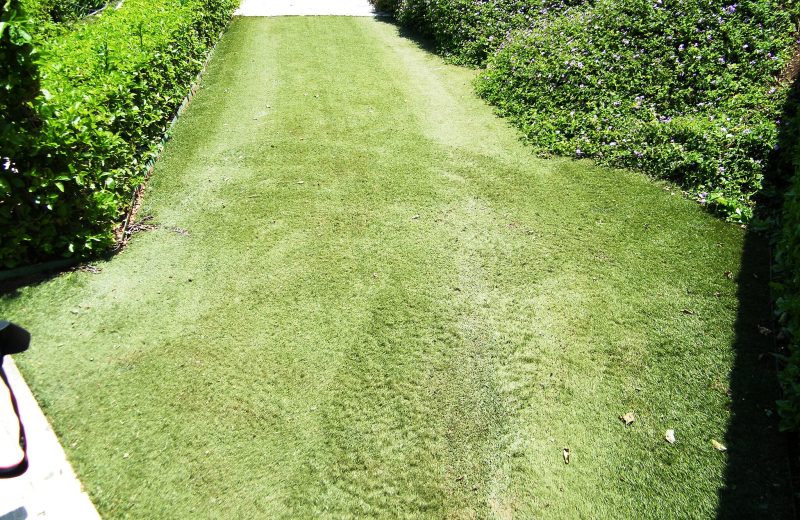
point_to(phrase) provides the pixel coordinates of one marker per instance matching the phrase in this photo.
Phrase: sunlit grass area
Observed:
(363, 297)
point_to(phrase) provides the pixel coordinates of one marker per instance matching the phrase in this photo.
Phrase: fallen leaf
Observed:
(687, 311)
(628, 418)
(728, 275)
(764, 331)
(718, 445)
(415, 217)
(125, 456)
(670, 436)
(565, 453)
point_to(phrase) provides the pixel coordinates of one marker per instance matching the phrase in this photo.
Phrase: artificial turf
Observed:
(364, 297)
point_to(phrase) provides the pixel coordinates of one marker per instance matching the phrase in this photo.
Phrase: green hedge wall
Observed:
(109, 87)
(468, 31)
(686, 90)
(19, 85)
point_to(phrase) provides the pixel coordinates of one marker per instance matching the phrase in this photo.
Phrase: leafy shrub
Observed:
(384, 6)
(108, 91)
(19, 84)
(58, 11)
(468, 31)
(686, 90)
(683, 90)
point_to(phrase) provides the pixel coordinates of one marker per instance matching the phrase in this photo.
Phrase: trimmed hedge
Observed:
(109, 87)
(468, 31)
(686, 90)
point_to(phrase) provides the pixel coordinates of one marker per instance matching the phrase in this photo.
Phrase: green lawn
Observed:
(365, 298)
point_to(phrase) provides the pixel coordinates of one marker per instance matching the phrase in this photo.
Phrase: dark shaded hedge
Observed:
(58, 11)
(468, 31)
(786, 284)
(19, 85)
(109, 87)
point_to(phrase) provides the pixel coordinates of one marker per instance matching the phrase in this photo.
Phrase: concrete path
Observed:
(49, 489)
(305, 8)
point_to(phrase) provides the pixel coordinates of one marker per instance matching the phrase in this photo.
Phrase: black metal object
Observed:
(13, 340)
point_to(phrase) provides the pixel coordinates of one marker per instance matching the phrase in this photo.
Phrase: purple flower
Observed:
(731, 9)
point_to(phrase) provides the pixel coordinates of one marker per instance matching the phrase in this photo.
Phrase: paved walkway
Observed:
(49, 489)
(305, 8)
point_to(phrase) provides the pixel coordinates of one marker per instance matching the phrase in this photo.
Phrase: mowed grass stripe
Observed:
(365, 298)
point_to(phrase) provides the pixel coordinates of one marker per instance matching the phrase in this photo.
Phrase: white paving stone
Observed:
(49, 489)
(305, 8)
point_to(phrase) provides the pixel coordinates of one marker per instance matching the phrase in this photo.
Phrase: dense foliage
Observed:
(687, 90)
(59, 11)
(108, 89)
(19, 85)
(468, 31)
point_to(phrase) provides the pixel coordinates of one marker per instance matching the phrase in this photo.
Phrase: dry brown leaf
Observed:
(566, 454)
(718, 445)
(669, 436)
(628, 418)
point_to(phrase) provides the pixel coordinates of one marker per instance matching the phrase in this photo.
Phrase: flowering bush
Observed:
(467, 31)
(687, 90)
(682, 90)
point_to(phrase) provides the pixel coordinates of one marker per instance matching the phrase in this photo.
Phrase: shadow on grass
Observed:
(763, 466)
(757, 475)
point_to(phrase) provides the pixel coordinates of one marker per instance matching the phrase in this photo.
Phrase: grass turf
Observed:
(365, 298)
